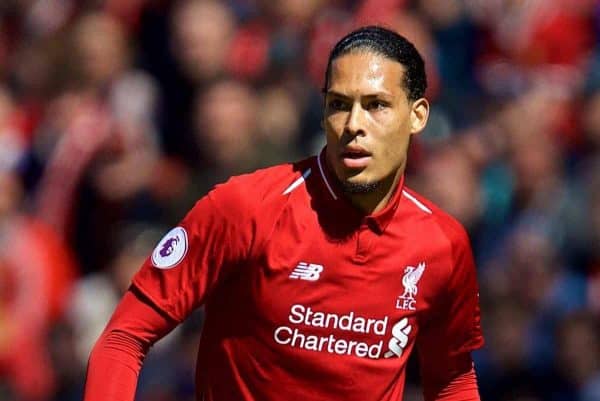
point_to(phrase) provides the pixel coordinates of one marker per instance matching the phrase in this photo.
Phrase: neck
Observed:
(372, 202)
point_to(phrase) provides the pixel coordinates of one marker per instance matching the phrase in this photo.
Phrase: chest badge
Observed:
(411, 277)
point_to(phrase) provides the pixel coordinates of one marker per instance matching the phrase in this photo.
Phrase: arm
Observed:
(456, 381)
(185, 267)
(452, 332)
(117, 357)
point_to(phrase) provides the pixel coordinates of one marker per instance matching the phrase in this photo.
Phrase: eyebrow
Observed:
(384, 95)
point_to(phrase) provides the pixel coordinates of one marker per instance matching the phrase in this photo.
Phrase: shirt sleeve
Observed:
(462, 386)
(117, 357)
(193, 258)
(454, 329)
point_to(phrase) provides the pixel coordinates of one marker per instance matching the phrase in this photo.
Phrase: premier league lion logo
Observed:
(168, 246)
(171, 249)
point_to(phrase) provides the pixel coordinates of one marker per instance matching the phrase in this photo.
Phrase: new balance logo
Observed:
(307, 271)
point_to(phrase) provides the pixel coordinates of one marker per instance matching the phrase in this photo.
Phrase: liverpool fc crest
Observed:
(411, 277)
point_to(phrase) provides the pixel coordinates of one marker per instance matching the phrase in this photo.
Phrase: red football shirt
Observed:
(307, 298)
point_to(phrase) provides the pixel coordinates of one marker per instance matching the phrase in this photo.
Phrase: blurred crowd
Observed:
(116, 115)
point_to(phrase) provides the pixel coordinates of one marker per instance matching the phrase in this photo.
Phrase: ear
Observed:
(419, 114)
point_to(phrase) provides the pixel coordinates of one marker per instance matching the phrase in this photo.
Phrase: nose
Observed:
(354, 124)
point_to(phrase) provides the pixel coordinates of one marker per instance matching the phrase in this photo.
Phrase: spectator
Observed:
(33, 261)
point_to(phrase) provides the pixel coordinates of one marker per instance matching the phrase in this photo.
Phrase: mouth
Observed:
(355, 157)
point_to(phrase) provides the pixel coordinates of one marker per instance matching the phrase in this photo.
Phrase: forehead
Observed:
(365, 71)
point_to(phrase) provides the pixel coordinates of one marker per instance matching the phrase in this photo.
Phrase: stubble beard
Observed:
(355, 188)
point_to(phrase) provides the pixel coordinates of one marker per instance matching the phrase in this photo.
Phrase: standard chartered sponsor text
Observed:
(301, 317)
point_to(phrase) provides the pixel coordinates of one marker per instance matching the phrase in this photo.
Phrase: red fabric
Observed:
(455, 327)
(249, 54)
(326, 31)
(128, 12)
(564, 38)
(117, 357)
(459, 383)
(298, 284)
(89, 130)
(381, 12)
(36, 274)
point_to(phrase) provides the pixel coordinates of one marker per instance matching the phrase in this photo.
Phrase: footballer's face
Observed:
(368, 120)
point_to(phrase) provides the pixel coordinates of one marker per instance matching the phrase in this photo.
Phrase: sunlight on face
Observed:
(369, 119)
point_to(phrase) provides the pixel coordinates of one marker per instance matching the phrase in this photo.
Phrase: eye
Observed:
(376, 104)
(337, 105)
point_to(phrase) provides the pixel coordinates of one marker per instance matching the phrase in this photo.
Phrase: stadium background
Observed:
(115, 115)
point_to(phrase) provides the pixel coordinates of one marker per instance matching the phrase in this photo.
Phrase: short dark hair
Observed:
(389, 44)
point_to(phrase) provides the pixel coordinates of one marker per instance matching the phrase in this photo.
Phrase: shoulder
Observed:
(263, 183)
(245, 194)
(440, 225)
(446, 242)
(268, 181)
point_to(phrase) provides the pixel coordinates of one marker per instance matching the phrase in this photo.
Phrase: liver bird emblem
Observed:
(411, 277)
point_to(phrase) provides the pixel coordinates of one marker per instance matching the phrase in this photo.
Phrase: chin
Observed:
(360, 187)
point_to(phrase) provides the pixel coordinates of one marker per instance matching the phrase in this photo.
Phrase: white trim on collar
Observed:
(417, 202)
(324, 176)
(297, 183)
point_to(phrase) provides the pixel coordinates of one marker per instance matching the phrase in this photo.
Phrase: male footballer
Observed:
(318, 278)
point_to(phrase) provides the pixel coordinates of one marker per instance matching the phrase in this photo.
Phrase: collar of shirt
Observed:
(335, 198)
